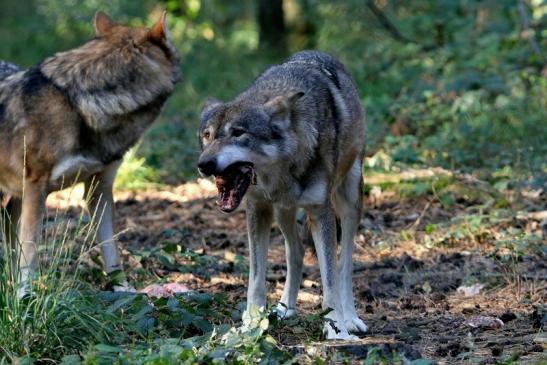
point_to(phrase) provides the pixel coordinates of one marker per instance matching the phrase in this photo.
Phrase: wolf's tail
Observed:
(305, 232)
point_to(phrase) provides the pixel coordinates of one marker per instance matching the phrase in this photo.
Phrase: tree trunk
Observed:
(271, 24)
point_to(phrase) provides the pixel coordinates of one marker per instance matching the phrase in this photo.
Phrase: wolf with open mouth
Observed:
(294, 139)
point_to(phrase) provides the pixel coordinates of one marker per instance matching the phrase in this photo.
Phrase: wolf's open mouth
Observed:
(233, 184)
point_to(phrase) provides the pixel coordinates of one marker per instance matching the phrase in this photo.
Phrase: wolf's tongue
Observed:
(232, 186)
(226, 193)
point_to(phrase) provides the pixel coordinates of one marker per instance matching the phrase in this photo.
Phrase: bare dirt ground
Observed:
(411, 255)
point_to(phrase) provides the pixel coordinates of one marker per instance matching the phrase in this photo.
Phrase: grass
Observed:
(56, 317)
(63, 320)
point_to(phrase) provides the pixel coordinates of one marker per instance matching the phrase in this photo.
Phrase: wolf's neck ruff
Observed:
(105, 82)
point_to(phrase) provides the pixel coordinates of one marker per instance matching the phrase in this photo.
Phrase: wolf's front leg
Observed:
(323, 228)
(98, 193)
(259, 222)
(294, 251)
(33, 209)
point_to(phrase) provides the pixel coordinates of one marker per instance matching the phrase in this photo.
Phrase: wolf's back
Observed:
(316, 58)
(7, 69)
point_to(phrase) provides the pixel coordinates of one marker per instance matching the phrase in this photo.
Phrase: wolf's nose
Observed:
(207, 166)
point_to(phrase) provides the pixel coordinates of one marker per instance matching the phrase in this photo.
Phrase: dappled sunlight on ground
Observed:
(411, 255)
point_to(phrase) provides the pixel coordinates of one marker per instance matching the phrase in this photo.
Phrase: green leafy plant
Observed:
(508, 253)
(55, 317)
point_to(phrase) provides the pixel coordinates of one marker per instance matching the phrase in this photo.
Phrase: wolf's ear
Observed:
(280, 106)
(210, 104)
(103, 23)
(158, 32)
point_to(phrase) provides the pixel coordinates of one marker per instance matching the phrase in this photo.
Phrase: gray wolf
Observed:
(71, 119)
(294, 139)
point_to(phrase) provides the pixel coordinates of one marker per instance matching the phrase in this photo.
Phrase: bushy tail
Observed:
(305, 232)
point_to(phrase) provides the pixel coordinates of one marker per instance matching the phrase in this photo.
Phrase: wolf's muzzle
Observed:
(208, 166)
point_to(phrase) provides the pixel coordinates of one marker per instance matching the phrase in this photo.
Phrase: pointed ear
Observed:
(210, 104)
(103, 23)
(282, 105)
(158, 32)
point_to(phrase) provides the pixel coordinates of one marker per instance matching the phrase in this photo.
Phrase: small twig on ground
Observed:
(361, 247)
(541, 215)
(418, 220)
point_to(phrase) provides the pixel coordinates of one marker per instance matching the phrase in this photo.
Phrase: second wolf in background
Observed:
(72, 118)
(294, 139)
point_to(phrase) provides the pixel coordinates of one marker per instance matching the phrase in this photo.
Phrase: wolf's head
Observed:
(242, 140)
(153, 44)
(119, 71)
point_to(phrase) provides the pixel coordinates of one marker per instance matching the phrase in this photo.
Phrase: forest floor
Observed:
(415, 256)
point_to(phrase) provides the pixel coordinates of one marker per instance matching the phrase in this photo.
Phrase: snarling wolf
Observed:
(294, 139)
(71, 119)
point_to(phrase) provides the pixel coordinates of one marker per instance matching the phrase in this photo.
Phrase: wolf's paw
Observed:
(332, 331)
(24, 283)
(23, 289)
(335, 328)
(124, 287)
(282, 311)
(354, 324)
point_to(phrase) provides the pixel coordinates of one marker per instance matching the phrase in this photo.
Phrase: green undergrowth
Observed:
(486, 188)
(135, 173)
(55, 315)
(64, 319)
(67, 322)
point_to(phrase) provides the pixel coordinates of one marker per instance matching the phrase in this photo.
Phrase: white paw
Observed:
(282, 311)
(124, 287)
(337, 333)
(25, 278)
(335, 329)
(23, 290)
(354, 324)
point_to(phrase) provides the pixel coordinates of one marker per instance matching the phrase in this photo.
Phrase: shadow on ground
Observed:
(405, 284)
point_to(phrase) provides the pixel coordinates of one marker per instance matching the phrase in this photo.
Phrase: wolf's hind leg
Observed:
(323, 228)
(294, 251)
(348, 205)
(259, 222)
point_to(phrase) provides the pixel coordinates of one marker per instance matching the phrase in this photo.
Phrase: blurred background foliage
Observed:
(460, 84)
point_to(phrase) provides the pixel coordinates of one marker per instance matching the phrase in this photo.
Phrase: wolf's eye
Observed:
(206, 134)
(238, 132)
(136, 46)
